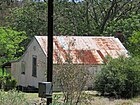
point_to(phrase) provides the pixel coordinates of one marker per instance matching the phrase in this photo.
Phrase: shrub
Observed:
(72, 80)
(1, 81)
(12, 97)
(7, 82)
(119, 77)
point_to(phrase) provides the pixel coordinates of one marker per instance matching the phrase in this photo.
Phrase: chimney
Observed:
(120, 36)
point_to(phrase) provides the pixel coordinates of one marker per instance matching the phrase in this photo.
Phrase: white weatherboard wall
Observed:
(27, 79)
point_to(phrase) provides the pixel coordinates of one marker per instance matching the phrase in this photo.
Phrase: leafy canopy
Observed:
(9, 44)
(31, 18)
(135, 43)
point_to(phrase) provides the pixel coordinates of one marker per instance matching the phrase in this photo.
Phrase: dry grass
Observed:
(99, 100)
(91, 99)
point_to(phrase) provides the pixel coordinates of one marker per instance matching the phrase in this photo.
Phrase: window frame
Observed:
(34, 66)
(23, 67)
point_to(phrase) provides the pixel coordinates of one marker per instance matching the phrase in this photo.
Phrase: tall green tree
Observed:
(5, 6)
(91, 17)
(72, 18)
(9, 44)
(104, 11)
(127, 27)
(134, 45)
(31, 18)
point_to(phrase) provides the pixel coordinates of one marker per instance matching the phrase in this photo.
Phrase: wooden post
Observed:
(50, 46)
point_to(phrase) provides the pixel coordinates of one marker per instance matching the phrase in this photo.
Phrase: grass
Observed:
(32, 99)
(12, 97)
(91, 96)
(31, 96)
(136, 99)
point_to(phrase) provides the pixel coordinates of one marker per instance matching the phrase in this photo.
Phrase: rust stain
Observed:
(90, 58)
(78, 55)
(60, 49)
(86, 56)
(83, 49)
(107, 44)
(107, 53)
(101, 55)
(56, 57)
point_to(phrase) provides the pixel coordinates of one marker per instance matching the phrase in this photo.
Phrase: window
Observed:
(34, 66)
(23, 67)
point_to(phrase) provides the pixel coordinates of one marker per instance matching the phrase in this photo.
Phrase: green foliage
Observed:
(4, 9)
(134, 45)
(31, 18)
(120, 78)
(70, 22)
(1, 72)
(12, 97)
(9, 44)
(127, 25)
(92, 17)
(7, 82)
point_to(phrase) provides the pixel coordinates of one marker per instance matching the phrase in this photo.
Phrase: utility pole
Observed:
(50, 46)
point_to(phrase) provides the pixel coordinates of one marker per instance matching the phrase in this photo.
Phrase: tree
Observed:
(104, 11)
(69, 21)
(127, 26)
(134, 45)
(31, 18)
(90, 17)
(119, 77)
(5, 6)
(9, 44)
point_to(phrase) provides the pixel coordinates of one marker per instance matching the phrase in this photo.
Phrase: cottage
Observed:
(31, 67)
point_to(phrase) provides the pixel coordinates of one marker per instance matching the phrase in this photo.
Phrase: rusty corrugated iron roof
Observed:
(83, 49)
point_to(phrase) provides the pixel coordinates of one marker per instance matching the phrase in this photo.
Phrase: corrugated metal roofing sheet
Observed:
(83, 49)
